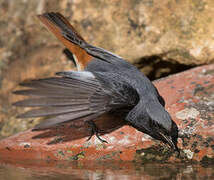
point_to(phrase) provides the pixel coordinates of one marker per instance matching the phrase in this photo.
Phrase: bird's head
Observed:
(161, 126)
(152, 119)
(167, 136)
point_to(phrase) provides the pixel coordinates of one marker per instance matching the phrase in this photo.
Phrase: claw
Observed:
(95, 131)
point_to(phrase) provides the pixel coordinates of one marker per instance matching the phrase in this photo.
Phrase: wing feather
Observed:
(75, 95)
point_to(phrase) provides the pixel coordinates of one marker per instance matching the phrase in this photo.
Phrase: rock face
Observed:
(190, 101)
(181, 31)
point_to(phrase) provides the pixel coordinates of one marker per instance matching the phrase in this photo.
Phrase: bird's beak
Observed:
(170, 142)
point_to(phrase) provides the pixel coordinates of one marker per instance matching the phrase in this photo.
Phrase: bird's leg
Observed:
(95, 131)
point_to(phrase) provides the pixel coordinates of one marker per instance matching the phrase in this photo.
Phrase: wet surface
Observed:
(107, 170)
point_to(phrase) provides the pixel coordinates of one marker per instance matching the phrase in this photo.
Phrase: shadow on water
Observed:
(103, 170)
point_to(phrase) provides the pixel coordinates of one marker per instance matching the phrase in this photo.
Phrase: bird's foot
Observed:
(95, 131)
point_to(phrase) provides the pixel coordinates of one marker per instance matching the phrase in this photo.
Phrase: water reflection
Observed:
(103, 171)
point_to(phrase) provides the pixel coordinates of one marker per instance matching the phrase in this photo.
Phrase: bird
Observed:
(104, 83)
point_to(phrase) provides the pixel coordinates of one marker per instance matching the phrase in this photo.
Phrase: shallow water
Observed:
(106, 170)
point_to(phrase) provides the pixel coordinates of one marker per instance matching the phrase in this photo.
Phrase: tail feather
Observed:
(84, 52)
(58, 25)
(62, 23)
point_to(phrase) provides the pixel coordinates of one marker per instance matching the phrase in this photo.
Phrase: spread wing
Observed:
(74, 96)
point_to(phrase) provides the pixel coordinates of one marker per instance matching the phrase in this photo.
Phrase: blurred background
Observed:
(159, 38)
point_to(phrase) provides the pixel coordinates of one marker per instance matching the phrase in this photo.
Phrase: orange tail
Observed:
(56, 23)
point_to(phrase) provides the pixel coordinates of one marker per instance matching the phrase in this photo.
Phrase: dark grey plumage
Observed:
(108, 83)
